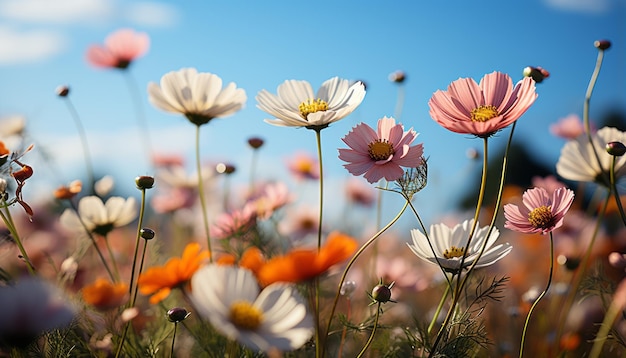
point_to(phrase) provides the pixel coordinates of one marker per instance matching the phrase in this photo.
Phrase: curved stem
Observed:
(353, 260)
(318, 137)
(8, 220)
(371, 338)
(587, 125)
(439, 307)
(205, 218)
(530, 312)
(83, 140)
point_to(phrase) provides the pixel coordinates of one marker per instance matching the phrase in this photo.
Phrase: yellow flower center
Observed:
(541, 217)
(381, 149)
(484, 113)
(245, 316)
(453, 252)
(312, 106)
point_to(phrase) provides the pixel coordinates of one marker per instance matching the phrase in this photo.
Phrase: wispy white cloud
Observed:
(585, 6)
(29, 46)
(56, 12)
(151, 14)
(82, 12)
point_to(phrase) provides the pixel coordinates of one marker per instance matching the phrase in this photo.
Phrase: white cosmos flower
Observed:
(297, 106)
(198, 96)
(578, 161)
(449, 243)
(276, 317)
(99, 217)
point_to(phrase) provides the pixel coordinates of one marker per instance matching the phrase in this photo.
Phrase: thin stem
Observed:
(439, 307)
(530, 312)
(144, 134)
(353, 260)
(83, 140)
(173, 339)
(587, 125)
(137, 239)
(8, 220)
(205, 214)
(112, 257)
(371, 338)
(318, 137)
(618, 201)
(93, 241)
(615, 309)
(344, 331)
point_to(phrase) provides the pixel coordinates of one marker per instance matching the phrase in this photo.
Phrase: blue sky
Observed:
(258, 45)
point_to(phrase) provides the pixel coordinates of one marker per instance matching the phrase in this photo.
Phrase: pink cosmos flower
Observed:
(484, 108)
(119, 50)
(569, 127)
(541, 213)
(381, 154)
(269, 198)
(359, 193)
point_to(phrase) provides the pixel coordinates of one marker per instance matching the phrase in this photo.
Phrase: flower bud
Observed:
(146, 233)
(23, 174)
(144, 182)
(177, 314)
(63, 91)
(536, 73)
(224, 168)
(602, 44)
(397, 76)
(616, 149)
(382, 293)
(255, 142)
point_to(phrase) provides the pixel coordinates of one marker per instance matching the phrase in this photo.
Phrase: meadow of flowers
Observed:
(205, 270)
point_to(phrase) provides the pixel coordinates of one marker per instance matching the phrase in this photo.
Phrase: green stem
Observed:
(205, 214)
(618, 201)
(353, 260)
(439, 307)
(137, 239)
(173, 339)
(587, 125)
(371, 338)
(318, 137)
(530, 312)
(112, 257)
(8, 220)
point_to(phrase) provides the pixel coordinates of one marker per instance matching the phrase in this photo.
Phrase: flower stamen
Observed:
(381, 149)
(541, 217)
(245, 316)
(312, 106)
(484, 113)
(453, 252)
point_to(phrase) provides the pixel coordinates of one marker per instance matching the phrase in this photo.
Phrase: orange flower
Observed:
(304, 264)
(251, 259)
(104, 294)
(70, 191)
(159, 281)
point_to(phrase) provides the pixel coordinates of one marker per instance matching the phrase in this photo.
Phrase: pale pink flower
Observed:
(173, 199)
(569, 127)
(120, 49)
(484, 108)
(234, 223)
(383, 153)
(541, 212)
(303, 166)
(269, 198)
(360, 193)
(299, 223)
